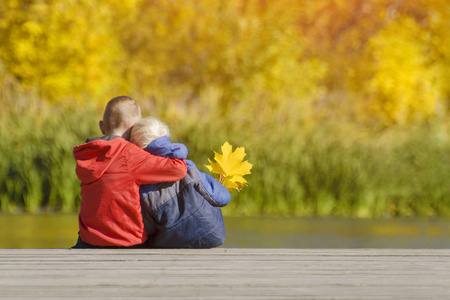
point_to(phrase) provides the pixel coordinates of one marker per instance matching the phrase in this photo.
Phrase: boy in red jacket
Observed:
(111, 169)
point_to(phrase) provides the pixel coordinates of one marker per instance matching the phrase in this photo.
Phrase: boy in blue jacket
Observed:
(182, 214)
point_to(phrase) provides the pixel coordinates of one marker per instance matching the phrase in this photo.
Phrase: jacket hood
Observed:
(95, 157)
(163, 147)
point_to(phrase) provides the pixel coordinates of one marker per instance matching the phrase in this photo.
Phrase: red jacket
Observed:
(111, 172)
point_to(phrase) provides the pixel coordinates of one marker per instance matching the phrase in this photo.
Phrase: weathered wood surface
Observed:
(225, 273)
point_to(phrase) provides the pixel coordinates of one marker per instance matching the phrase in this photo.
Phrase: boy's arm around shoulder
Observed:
(146, 168)
(214, 188)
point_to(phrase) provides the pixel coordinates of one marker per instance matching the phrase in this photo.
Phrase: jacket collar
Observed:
(105, 138)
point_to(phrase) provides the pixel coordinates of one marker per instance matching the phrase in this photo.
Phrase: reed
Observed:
(37, 168)
(300, 168)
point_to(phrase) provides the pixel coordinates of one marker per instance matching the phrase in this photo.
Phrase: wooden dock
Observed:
(225, 273)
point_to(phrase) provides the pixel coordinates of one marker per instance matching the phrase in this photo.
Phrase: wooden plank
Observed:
(226, 273)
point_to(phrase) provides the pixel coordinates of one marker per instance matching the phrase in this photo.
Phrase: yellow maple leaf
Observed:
(230, 167)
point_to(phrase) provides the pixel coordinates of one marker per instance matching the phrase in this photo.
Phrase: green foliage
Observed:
(324, 169)
(328, 168)
(37, 167)
(341, 171)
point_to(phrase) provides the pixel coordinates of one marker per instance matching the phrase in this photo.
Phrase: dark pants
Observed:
(83, 245)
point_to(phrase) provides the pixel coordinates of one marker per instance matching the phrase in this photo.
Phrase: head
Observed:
(121, 113)
(148, 129)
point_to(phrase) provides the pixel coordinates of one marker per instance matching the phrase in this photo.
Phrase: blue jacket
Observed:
(186, 213)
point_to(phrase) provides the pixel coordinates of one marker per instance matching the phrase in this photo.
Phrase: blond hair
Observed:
(120, 114)
(148, 129)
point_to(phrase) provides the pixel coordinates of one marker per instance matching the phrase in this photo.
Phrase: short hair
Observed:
(148, 129)
(121, 113)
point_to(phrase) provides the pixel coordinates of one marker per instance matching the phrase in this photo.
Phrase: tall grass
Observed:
(301, 167)
(37, 169)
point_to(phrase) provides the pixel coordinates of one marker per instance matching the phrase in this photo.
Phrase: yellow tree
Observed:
(61, 48)
(439, 22)
(383, 51)
(403, 87)
(239, 47)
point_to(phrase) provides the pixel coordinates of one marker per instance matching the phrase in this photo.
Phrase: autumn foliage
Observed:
(342, 105)
(230, 167)
(387, 59)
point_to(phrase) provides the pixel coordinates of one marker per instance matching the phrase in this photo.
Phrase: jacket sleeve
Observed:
(215, 189)
(146, 168)
(163, 147)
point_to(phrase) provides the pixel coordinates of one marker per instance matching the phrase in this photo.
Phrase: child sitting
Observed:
(111, 169)
(182, 214)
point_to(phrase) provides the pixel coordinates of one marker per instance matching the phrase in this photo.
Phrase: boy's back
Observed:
(186, 213)
(110, 170)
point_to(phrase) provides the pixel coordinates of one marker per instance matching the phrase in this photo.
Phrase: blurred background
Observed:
(342, 105)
